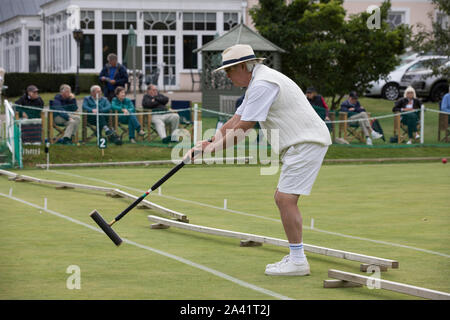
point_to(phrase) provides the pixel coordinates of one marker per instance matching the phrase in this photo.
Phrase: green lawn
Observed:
(399, 204)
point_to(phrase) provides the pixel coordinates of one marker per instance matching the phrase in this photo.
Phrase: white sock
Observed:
(296, 252)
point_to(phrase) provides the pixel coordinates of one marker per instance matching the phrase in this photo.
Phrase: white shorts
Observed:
(300, 165)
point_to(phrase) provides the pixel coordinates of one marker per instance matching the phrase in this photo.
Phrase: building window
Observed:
(396, 18)
(34, 35)
(87, 19)
(34, 54)
(189, 57)
(199, 21)
(160, 21)
(151, 59)
(230, 19)
(119, 20)
(87, 52)
(443, 20)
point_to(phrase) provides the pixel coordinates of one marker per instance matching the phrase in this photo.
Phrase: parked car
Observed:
(389, 88)
(420, 77)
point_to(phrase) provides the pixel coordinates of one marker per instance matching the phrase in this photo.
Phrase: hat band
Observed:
(237, 60)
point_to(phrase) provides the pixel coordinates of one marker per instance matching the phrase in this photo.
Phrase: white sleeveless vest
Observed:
(291, 113)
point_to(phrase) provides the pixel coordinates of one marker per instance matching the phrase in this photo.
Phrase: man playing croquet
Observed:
(279, 105)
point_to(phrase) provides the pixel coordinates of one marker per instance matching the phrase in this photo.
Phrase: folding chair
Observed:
(34, 131)
(199, 81)
(401, 130)
(151, 131)
(60, 129)
(444, 128)
(350, 131)
(186, 116)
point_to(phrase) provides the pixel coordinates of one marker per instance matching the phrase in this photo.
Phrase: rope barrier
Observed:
(219, 113)
(100, 113)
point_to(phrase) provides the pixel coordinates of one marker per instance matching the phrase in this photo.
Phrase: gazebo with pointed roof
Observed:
(217, 84)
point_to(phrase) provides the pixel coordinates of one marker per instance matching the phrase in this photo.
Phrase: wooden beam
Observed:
(278, 242)
(364, 267)
(389, 285)
(335, 283)
(110, 192)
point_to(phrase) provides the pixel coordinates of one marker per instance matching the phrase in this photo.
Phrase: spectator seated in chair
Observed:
(125, 106)
(356, 111)
(31, 98)
(409, 102)
(90, 106)
(65, 101)
(156, 102)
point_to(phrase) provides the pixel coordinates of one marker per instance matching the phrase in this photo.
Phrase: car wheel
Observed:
(438, 91)
(390, 91)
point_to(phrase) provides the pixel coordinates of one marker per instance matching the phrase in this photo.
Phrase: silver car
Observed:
(388, 88)
(419, 76)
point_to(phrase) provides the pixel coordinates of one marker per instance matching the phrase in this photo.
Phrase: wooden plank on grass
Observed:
(154, 206)
(278, 242)
(65, 184)
(389, 285)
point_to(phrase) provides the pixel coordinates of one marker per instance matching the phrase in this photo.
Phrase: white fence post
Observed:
(422, 123)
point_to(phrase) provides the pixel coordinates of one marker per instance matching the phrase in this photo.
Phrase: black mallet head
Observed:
(106, 227)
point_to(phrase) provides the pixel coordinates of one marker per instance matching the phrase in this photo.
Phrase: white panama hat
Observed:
(237, 54)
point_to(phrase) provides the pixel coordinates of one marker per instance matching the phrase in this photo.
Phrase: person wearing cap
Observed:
(113, 75)
(282, 110)
(357, 112)
(32, 99)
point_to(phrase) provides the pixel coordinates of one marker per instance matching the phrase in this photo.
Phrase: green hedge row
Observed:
(17, 82)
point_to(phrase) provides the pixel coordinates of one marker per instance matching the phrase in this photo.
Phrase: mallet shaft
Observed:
(154, 187)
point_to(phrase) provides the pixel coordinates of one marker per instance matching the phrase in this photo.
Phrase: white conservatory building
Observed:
(167, 31)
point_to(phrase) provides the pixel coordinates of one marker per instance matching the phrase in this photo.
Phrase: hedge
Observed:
(46, 82)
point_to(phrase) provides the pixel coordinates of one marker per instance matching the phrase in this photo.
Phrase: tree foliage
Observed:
(326, 50)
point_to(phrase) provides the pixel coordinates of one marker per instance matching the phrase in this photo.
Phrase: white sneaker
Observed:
(417, 136)
(376, 135)
(409, 142)
(271, 265)
(132, 140)
(287, 267)
(369, 141)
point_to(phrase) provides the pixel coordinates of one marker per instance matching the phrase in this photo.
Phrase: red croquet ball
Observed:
(444, 160)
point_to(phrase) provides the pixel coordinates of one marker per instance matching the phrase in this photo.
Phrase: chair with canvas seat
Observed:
(401, 129)
(443, 128)
(350, 131)
(52, 127)
(186, 113)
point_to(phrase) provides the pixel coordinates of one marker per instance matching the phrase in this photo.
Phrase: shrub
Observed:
(17, 82)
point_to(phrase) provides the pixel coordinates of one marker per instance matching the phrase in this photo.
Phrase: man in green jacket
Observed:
(90, 106)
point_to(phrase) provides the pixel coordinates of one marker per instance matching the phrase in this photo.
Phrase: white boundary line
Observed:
(168, 255)
(265, 218)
